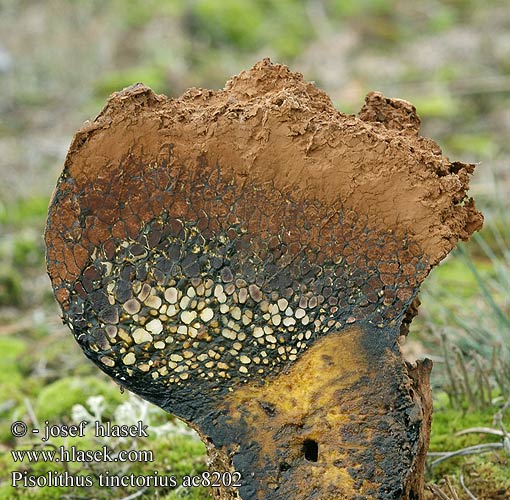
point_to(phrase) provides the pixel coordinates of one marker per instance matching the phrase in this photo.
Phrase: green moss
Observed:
(491, 469)
(10, 395)
(245, 26)
(11, 349)
(66, 354)
(489, 476)
(33, 468)
(185, 453)
(152, 76)
(447, 422)
(442, 18)
(230, 22)
(28, 251)
(24, 210)
(11, 381)
(436, 106)
(11, 292)
(189, 494)
(349, 9)
(175, 455)
(455, 272)
(10, 376)
(56, 400)
(451, 284)
(479, 144)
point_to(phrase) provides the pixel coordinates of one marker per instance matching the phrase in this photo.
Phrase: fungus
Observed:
(247, 259)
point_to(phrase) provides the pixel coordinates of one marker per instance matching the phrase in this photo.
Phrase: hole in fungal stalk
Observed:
(311, 450)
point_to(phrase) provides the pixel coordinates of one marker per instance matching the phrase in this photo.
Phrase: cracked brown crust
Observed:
(271, 126)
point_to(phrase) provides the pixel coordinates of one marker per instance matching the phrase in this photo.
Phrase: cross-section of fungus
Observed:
(246, 259)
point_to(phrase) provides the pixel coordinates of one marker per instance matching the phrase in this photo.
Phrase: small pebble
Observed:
(154, 326)
(229, 334)
(243, 295)
(144, 292)
(107, 361)
(132, 306)
(255, 293)
(140, 335)
(206, 314)
(283, 304)
(129, 359)
(236, 313)
(171, 295)
(153, 301)
(300, 313)
(187, 317)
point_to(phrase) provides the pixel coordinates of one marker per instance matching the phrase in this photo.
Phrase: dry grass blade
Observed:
(31, 412)
(137, 494)
(451, 488)
(481, 430)
(498, 417)
(438, 492)
(466, 489)
(470, 450)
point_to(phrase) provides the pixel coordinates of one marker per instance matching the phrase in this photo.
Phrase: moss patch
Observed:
(486, 474)
(175, 455)
(56, 400)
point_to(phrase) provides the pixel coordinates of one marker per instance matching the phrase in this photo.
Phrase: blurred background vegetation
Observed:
(59, 61)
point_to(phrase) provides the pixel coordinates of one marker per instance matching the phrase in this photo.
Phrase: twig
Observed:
(498, 417)
(483, 430)
(470, 450)
(139, 493)
(465, 377)
(451, 488)
(498, 420)
(438, 492)
(466, 489)
(7, 405)
(449, 370)
(74, 497)
(31, 413)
